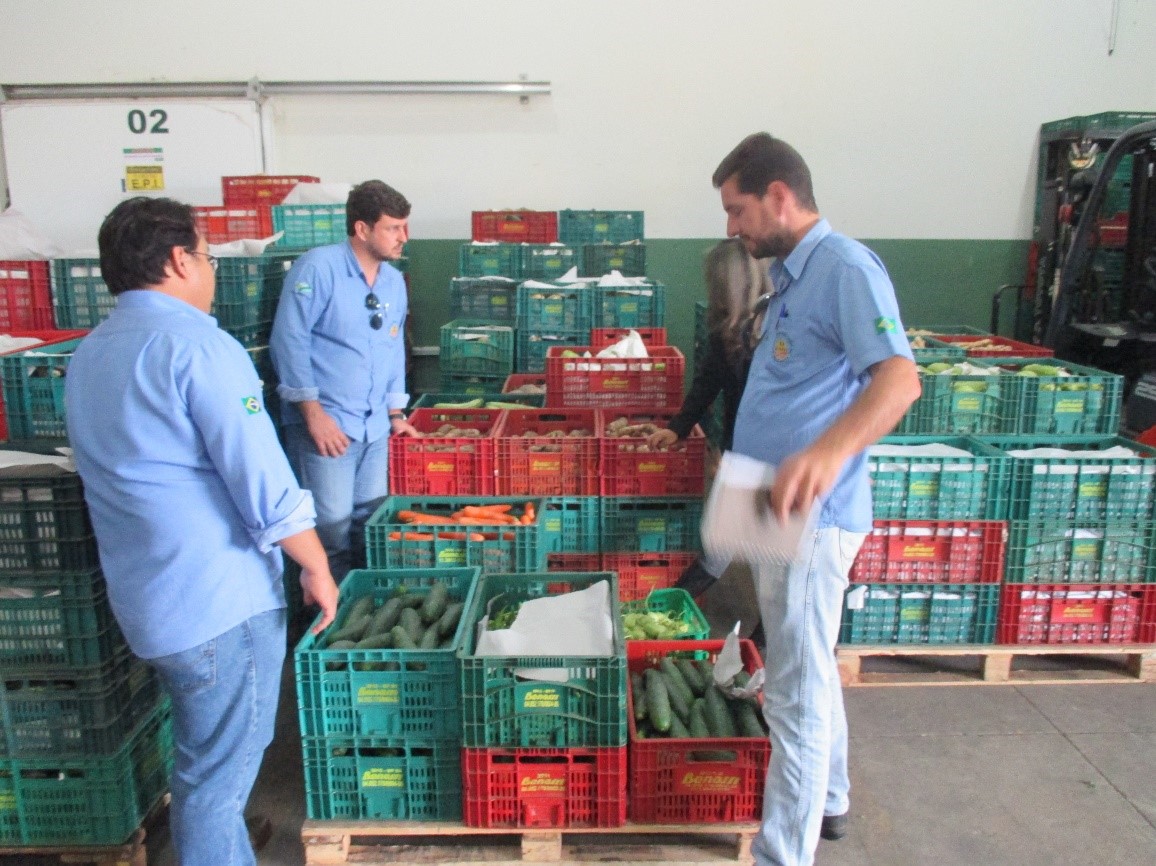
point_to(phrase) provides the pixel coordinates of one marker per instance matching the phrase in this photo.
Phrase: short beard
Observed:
(776, 246)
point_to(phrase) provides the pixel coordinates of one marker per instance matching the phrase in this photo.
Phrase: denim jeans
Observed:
(801, 606)
(346, 491)
(224, 694)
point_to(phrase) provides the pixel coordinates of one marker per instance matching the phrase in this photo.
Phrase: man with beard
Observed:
(338, 347)
(832, 373)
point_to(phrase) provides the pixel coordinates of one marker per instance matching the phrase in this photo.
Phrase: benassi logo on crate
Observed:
(708, 781)
(532, 780)
(538, 697)
(383, 777)
(902, 548)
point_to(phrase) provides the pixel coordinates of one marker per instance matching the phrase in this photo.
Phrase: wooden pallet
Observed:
(130, 853)
(928, 665)
(425, 843)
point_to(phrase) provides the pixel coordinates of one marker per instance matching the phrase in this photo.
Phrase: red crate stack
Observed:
(577, 562)
(573, 381)
(994, 347)
(446, 464)
(600, 338)
(222, 224)
(250, 198)
(540, 788)
(639, 574)
(548, 452)
(25, 296)
(1077, 614)
(631, 468)
(515, 226)
(932, 551)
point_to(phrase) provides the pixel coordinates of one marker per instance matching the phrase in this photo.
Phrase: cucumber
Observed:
(718, 714)
(386, 617)
(742, 678)
(362, 606)
(448, 624)
(707, 670)
(747, 719)
(698, 726)
(435, 603)
(638, 693)
(341, 645)
(353, 629)
(408, 599)
(411, 622)
(677, 728)
(675, 681)
(401, 638)
(657, 700)
(382, 640)
(678, 701)
(429, 640)
(468, 404)
(692, 676)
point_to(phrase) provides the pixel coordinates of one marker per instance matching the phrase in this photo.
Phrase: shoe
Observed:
(695, 580)
(759, 637)
(834, 827)
(260, 831)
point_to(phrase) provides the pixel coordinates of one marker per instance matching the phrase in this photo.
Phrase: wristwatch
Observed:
(396, 415)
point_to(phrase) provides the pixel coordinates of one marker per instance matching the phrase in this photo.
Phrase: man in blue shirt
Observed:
(338, 346)
(832, 373)
(192, 501)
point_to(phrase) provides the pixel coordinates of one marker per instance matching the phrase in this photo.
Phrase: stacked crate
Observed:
(549, 315)
(86, 748)
(609, 240)
(381, 725)
(247, 209)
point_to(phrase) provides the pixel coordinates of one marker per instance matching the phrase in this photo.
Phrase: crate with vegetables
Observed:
(548, 452)
(437, 400)
(575, 377)
(959, 397)
(1058, 397)
(665, 614)
(630, 467)
(473, 347)
(698, 753)
(387, 666)
(495, 534)
(454, 456)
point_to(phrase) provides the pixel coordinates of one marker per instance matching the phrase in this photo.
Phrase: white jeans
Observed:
(801, 606)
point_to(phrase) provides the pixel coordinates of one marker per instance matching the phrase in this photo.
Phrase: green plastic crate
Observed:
(500, 708)
(601, 226)
(471, 385)
(429, 401)
(524, 552)
(247, 290)
(80, 297)
(628, 259)
(572, 524)
(44, 524)
(533, 346)
(1079, 488)
(487, 299)
(630, 306)
(34, 391)
(678, 605)
(650, 524)
(1065, 551)
(957, 330)
(382, 779)
(309, 225)
(955, 405)
(471, 347)
(937, 350)
(920, 613)
(1086, 403)
(547, 261)
(489, 260)
(560, 308)
(54, 801)
(925, 487)
(384, 692)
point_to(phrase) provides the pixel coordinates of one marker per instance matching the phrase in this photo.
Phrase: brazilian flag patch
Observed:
(884, 325)
(303, 288)
(252, 405)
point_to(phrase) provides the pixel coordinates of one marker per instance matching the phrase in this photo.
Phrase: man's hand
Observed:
(801, 479)
(320, 589)
(661, 440)
(328, 437)
(401, 427)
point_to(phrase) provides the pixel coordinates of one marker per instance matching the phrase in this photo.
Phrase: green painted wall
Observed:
(938, 282)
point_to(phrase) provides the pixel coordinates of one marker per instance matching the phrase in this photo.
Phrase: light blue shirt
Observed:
(324, 348)
(833, 316)
(186, 482)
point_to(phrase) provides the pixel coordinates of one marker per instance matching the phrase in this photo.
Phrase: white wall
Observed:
(919, 119)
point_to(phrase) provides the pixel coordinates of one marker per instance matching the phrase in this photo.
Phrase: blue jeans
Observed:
(801, 606)
(224, 695)
(346, 491)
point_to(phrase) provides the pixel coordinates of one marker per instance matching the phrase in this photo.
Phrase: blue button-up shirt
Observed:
(833, 316)
(324, 348)
(187, 485)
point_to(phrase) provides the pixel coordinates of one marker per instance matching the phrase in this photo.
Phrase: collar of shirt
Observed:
(794, 263)
(354, 266)
(150, 299)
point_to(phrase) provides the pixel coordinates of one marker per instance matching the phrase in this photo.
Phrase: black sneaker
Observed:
(696, 580)
(834, 827)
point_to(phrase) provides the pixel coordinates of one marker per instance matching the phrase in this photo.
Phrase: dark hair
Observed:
(761, 159)
(370, 201)
(137, 238)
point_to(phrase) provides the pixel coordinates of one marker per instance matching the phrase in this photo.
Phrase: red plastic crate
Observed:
(565, 788)
(600, 338)
(1015, 349)
(49, 336)
(220, 225)
(445, 465)
(516, 380)
(683, 781)
(932, 551)
(626, 471)
(570, 468)
(25, 295)
(250, 190)
(655, 381)
(1076, 614)
(574, 562)
(640, 573)
(516, 226)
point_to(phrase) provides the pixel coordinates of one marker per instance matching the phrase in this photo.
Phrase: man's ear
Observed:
(179, 263)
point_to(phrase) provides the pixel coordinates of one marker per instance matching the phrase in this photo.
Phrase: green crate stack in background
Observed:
(476, 349)
(551, 314)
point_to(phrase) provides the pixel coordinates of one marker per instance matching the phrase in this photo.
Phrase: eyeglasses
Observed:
(372, 303)
(213, 260)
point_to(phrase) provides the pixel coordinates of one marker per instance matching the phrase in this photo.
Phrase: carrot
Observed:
(410, 536)
(461, 536)
(501, 509)
(478, 521)
(485, 513)
(419, 517)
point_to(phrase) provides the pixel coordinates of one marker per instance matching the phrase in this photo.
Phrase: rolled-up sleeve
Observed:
(868, 316)
(301, 302)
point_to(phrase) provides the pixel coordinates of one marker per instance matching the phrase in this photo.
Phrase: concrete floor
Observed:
(953, 776)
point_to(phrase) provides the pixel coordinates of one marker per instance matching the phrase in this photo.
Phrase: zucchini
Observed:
(429, 640)
(382, 640)
(678, 701)
(386, 617)
(718, 714)
(448, 624)
(698, 726)
(411, 622)
(435, 603)
(401, 638)
(675, 681)
(691, 674)
(657, 700)
(677, 728)
(638, 693)
(747, 719)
